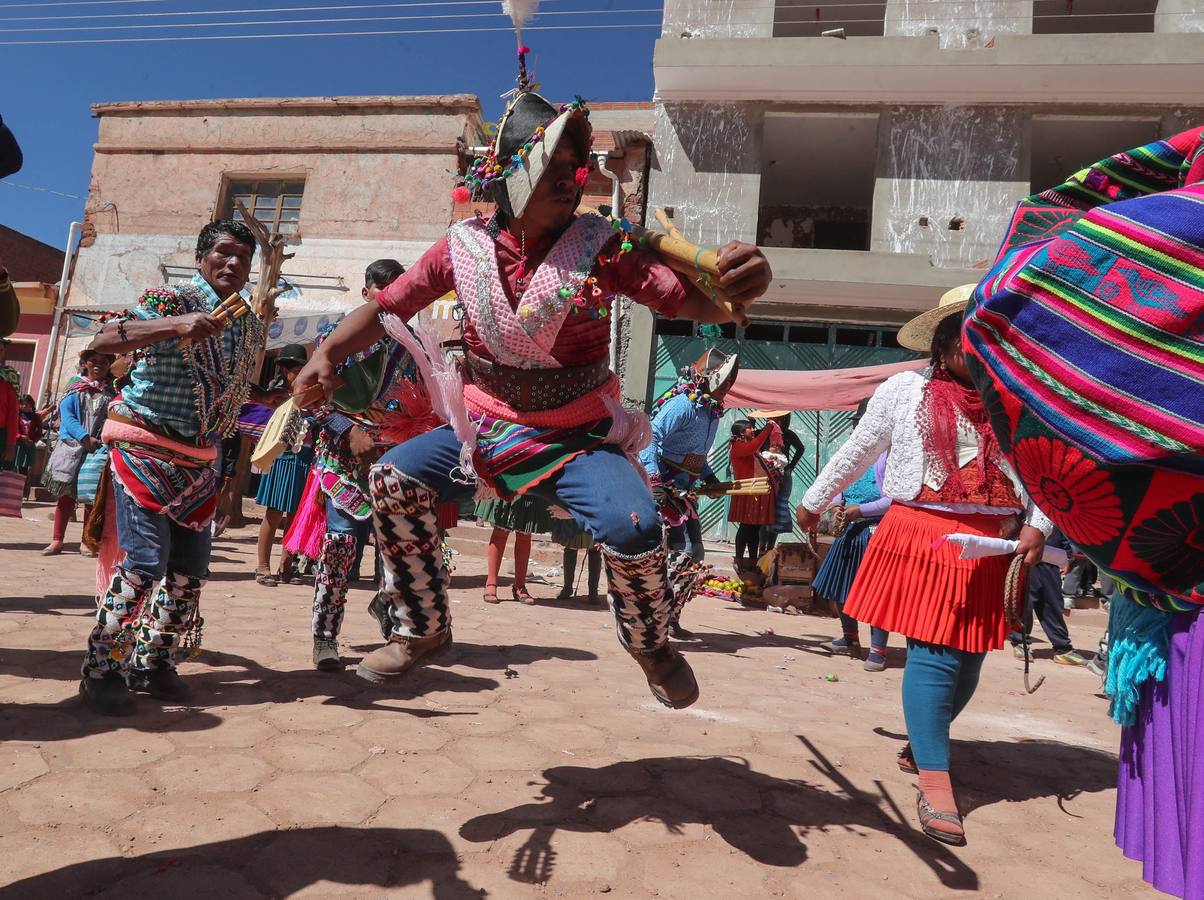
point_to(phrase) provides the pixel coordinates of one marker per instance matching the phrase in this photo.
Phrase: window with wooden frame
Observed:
(276, 203)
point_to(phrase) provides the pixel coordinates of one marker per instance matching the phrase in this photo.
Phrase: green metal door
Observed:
(821, 431)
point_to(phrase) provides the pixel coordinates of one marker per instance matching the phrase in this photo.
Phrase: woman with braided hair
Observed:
(946, 475)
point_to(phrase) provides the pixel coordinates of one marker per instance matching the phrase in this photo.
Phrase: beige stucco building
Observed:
(355, 178)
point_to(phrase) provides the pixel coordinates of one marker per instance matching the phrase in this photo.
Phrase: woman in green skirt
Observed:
(524, 516)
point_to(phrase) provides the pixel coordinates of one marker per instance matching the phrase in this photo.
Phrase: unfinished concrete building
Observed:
(876, 149)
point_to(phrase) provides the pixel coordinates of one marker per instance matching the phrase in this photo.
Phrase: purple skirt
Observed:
(1160, 795)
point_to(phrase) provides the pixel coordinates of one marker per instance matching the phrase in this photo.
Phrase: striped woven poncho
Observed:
(1086, 341)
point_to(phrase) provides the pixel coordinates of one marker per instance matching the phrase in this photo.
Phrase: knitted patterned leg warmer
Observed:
(415, 574)
(639, 598)
(171, 612)
(118, 610)
(330, 584)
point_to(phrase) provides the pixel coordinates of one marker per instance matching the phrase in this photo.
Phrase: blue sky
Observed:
(46, 90)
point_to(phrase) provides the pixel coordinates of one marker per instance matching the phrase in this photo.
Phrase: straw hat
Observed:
(917, 334)
(769, 413)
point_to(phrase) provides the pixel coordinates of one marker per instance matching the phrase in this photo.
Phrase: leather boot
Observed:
(401, 654)
(670, 677)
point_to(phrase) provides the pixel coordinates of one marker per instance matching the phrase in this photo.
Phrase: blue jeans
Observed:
(339, 522)
(155, 545)
(687, 537)
(600, 489)
(938, 682)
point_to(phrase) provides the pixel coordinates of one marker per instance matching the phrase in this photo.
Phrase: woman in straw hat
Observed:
(946, 475)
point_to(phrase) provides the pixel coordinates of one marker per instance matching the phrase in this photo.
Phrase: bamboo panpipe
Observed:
(229, 310)
(699, 263)
(742, 486)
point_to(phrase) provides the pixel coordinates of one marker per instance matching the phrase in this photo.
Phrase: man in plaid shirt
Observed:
(191, 373)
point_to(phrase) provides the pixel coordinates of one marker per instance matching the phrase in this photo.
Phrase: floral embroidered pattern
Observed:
(1172, 542)
(1071, 488)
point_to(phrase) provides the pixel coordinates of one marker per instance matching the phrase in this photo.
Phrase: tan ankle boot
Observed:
(400, 655)
(669, 676)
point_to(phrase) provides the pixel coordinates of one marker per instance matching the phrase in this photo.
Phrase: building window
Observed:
(817, 180)
(275, 203)
(1093, 16)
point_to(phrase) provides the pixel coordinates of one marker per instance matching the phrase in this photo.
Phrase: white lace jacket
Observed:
(890, 424)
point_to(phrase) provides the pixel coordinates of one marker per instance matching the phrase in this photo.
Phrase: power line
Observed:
(40, 190)
(272, 9)
(245, 24)
(82, 3)
(304, 34)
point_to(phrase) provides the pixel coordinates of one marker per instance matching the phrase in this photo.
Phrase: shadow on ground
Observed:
(768, 818)
(762, 816)
(268, 864)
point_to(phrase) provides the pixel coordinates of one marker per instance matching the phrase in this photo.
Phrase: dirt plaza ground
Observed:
(529, 762)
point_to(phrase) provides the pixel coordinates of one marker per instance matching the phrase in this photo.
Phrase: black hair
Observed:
(946, 335)
(28, 398)
(211, 232)
(740, 426)
(861, 408)
(382, 273)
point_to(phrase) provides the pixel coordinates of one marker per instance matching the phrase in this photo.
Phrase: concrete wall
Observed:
(963, 24)
(1179, 15)
(708, 169)
(718, 18)
(946, 163)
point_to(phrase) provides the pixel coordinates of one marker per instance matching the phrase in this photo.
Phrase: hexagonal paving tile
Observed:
(132, 748)
(34, 851)
(416, 774)
(210, 771)
(242, 730)
(80, 797)
(401, 732)
(312, 715)
(306, 798)
(190, 821)
(310, 752)
(20, 764)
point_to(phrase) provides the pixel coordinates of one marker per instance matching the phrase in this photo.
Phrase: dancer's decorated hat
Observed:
(530, 131)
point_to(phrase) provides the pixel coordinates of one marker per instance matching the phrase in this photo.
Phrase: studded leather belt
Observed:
(533, 390)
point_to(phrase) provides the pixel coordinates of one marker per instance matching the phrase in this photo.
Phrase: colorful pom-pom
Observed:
(582, 176)
(461, 194)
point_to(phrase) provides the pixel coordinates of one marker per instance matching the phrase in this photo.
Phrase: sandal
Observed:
(490, 595)
(928, 815)
(522, 595)
(906, 761)
(267, 579)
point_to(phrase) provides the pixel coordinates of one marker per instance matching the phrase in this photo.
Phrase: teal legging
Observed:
(938, 682)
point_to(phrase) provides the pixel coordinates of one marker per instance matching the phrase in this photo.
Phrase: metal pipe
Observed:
(60, 304)
(616, 210)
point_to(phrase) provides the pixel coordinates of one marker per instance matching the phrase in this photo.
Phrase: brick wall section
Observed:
(28, 259)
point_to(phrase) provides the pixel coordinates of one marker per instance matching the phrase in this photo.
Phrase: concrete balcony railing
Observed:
(1112, 69)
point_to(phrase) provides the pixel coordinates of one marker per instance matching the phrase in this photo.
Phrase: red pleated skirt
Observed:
(907, 587)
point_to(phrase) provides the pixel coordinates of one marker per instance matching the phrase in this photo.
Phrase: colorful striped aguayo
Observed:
(1088, 348)
(511, 458)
